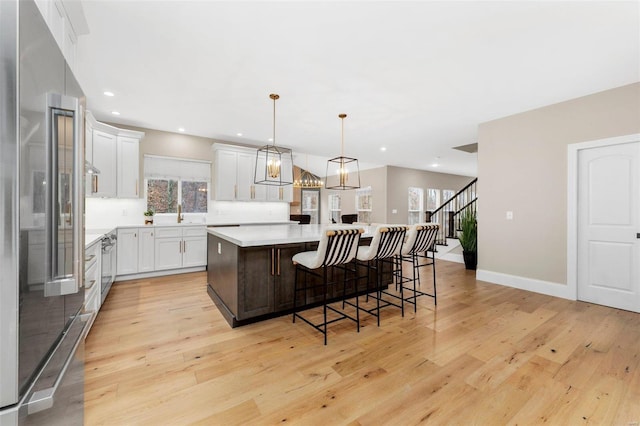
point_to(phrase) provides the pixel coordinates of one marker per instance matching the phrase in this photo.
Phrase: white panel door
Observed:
(225, 175)
(146, 250)
(104, 159)
(127, 251)
(128, 167)
(168, 253)
(609, 226)
(194, 251)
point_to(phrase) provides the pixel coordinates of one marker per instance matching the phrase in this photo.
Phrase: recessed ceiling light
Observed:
(270, 139)
(181, 129)
(238, 134)
(435, 165)
(115, 113)
(383, 148)
(108, 93)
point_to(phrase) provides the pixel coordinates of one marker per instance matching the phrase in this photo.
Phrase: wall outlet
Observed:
(509, 215)
(124, 212)
(394, 211)
(219, 248)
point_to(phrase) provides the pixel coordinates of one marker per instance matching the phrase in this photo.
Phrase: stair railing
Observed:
(449, 213)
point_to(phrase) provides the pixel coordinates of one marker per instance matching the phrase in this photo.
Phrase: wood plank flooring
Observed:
(160, 353)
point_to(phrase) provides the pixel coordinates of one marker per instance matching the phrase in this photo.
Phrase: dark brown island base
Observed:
(250, 275)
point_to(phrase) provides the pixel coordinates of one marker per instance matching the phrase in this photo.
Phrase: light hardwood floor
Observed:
(160, 353)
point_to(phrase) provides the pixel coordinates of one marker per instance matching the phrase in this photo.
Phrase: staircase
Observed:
(448, 214)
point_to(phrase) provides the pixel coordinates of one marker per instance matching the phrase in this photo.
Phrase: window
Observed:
(363, 204)
(448, 194)
(433, 199)
(334, 207)
(173, 181)
(415, 198)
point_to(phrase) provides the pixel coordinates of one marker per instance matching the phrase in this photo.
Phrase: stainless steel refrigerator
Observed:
(42, 327)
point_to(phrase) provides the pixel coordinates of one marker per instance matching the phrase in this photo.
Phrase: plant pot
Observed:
(148, 221)
(470, 259)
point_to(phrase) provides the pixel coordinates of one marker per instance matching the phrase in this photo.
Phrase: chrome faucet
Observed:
(180, 218)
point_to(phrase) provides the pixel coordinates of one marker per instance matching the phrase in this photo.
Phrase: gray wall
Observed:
(400, 179)
(522, 167)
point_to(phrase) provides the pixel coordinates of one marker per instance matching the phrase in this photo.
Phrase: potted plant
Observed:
(468, 238)
(148, 217)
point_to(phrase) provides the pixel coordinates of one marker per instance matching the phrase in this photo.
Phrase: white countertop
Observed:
(263, 235)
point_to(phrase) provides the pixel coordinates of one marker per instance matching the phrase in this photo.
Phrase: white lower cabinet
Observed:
(92, 274)
(160, 248)
(127, 251)
(180, 247)
(146, 250)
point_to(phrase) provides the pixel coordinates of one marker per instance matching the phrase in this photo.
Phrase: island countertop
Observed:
(262, 235)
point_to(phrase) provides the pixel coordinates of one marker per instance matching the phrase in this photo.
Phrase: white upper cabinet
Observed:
(225, 175)
(234, 177)
(104, 159)
(67, 22)
(116, 154)
(128, 167)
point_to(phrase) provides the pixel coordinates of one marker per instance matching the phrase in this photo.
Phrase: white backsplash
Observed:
(112, 212)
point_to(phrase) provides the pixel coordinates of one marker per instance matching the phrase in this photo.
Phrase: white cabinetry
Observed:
(66, 21)
(128, 166)
(92, 277)
(115, 153)
(235, 174)
(194, 246)
(127, 251)
(180, 247)
(104, 159)
(136, 250)
(234, 170)
(146, 250)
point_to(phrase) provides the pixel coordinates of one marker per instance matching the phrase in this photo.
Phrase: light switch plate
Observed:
(509, 215)
(219, 248)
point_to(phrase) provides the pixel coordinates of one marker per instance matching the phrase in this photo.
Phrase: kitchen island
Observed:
(250, 275)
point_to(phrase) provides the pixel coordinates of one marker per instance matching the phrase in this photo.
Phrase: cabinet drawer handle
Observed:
(91, 283)
(88, 259)
(278, 262)
(136, 187)
(273, 259)
(184, 246)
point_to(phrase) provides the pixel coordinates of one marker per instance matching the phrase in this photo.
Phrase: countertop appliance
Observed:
(42, 328)
(108, 269)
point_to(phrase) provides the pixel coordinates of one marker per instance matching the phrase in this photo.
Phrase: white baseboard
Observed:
(159, 273)
(537, 286)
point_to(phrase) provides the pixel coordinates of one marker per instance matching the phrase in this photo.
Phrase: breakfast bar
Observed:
(250, 275)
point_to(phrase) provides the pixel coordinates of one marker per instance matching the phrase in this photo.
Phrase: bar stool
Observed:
(337, 248)
(420, 239)
(385, 246)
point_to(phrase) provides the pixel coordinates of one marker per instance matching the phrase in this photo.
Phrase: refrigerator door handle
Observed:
(63, 196)
(43, 399)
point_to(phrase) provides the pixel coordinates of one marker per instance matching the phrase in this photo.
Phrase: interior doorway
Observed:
(607, 222)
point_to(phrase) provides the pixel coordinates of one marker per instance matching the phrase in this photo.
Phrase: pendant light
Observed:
(308, 179)
(274, 165)
(342, 172)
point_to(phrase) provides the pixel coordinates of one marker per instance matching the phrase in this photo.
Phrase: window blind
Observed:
(156, 167)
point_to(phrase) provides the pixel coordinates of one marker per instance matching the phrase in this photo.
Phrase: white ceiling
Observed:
(414, 77)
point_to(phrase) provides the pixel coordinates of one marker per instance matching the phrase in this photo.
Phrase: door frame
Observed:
(572, 201)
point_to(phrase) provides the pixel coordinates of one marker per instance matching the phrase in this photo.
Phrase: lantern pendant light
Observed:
(342, 172)
(274, 165)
